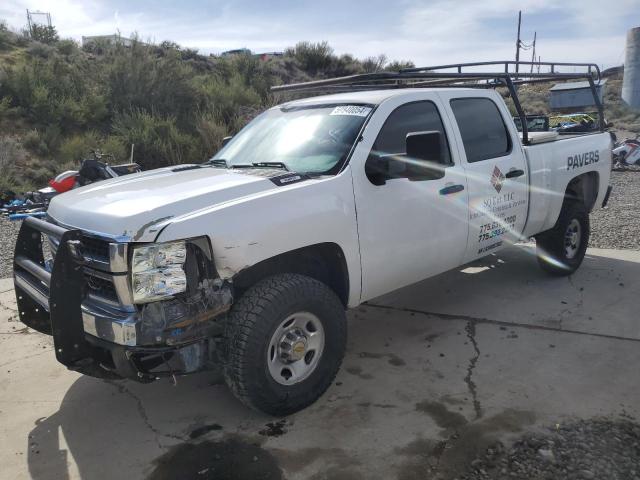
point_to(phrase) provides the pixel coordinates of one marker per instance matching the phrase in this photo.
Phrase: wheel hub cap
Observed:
(293, 345)
(295, 348)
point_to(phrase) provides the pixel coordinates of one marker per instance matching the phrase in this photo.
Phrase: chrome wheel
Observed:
(295, 348)
(572, 238)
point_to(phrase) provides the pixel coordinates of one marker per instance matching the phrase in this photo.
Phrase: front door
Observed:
(496, 172)
(408, 230)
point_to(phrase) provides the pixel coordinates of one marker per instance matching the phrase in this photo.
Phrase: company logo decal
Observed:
(583, 159)
(497, 179)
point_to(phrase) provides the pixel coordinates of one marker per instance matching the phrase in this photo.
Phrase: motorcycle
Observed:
(92, 170)
(95, 169)
(627, 152)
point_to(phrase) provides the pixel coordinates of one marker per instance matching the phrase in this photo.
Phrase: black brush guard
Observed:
(49, 301)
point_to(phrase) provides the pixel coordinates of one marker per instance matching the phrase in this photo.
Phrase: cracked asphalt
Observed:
(442, 380)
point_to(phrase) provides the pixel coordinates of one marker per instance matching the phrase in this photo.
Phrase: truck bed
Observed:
(553, 163)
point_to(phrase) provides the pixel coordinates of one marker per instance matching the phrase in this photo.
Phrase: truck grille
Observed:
(101, 282)
(96, 251)
(95, 248)
(100, 287)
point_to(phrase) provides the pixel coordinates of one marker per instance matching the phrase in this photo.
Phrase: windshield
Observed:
(311, 140)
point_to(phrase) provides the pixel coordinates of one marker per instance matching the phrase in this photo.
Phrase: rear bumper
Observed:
(93, 334)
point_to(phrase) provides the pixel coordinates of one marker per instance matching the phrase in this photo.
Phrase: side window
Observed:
(484, 133)
(412, 117)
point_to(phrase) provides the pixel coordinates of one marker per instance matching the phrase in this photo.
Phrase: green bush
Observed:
(225, 98)
(397, 65)
(211, 133)
(67, 47)
(78, 147)
(312, 57)
(33, 142)
(158, 141)
(44, 33)
(5, 36)
(12, 155)
(374, 64)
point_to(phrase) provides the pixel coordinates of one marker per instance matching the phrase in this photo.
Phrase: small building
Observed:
(574, 96)
(236, 51)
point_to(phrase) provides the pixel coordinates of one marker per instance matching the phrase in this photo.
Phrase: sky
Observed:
(427, 32)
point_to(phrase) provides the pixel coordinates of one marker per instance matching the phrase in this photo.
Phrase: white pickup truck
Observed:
(250, 259)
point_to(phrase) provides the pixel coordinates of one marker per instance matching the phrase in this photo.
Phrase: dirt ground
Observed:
(445, 379)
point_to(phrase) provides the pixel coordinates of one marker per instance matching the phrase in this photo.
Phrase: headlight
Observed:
(157, 271)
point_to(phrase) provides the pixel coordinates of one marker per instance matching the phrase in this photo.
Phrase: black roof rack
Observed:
(437, 76)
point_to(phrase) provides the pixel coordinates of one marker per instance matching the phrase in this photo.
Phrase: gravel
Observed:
(618, 225)
(598, 448)
(8, 240)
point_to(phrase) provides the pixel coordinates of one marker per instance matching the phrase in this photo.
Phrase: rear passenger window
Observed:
(484, 133)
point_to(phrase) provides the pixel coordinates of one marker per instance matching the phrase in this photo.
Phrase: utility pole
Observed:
(533, 55)
(518, 41)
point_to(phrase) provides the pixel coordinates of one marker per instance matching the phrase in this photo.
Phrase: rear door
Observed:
(496, 170)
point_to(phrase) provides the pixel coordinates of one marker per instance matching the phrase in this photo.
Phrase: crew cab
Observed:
(250, 259)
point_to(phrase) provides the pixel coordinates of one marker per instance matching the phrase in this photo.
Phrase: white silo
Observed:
(631, 82)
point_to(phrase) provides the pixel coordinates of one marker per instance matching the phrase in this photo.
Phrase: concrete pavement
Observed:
(434, 373)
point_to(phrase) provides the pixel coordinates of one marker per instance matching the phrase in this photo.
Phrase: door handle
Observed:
(514, 173)
(451, 189)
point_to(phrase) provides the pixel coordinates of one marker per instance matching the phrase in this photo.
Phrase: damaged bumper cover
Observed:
(83, 299)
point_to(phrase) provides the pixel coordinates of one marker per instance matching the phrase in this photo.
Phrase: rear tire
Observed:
(285, 340)
(561, 250)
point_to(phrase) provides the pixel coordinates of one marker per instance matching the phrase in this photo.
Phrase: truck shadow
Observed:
(102, 428)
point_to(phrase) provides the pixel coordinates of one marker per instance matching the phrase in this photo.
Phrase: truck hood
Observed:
(136, 207)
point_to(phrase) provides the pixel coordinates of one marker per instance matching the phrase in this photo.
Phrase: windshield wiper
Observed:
(219, 162)
(270, 165)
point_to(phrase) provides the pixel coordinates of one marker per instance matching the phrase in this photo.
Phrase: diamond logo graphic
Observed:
(497, 179)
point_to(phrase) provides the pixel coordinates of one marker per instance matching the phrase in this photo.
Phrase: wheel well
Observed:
(584, 188)
(324, 261)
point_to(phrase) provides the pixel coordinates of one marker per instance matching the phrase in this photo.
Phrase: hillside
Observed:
(58, 101)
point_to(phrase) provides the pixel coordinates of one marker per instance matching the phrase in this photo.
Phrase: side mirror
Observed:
(424, 160)
(225, 140)
(425, 155)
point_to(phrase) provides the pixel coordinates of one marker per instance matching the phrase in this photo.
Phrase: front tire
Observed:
(561, 250)
(285, 340)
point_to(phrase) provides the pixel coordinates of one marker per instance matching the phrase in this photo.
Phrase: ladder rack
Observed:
(437, 77)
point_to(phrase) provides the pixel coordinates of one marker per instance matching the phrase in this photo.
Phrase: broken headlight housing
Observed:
(157, 271)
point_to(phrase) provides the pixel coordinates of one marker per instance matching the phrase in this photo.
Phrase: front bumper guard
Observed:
(89, 337)
(48, 302)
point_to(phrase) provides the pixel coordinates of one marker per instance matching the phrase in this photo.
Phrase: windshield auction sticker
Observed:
(354, 110)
